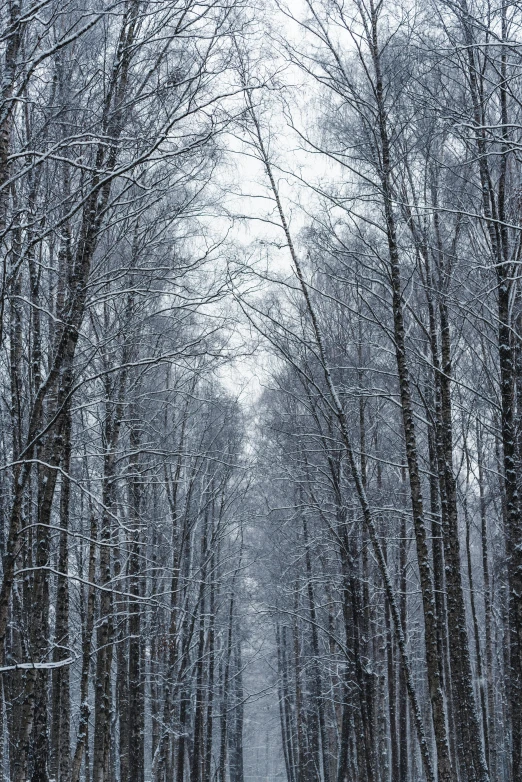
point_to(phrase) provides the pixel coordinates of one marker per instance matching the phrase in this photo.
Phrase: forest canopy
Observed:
(260, 391)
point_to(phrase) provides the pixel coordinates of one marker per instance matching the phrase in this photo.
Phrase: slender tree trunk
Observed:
(60, 722)
(493, 205)
(236, 735)
(83, 725)
(487, 607)
(402, 691)
(210, 673)
(104, 636)
(135, 678)
(285, 708)
(317, 688)
(444, 766)
(224, 696)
